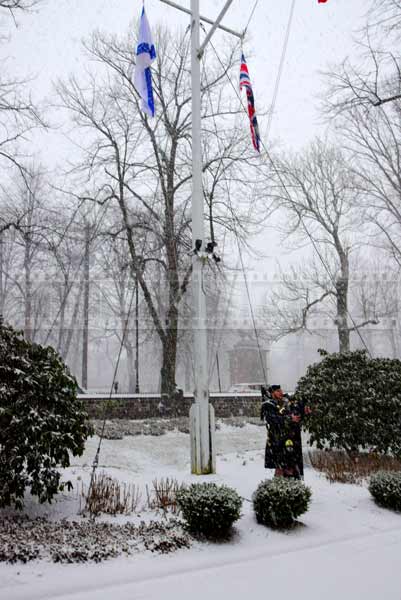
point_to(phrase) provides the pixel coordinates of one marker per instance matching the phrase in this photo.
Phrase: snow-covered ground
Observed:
(345, 547)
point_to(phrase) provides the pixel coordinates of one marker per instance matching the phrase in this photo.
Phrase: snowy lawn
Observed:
(344, 548)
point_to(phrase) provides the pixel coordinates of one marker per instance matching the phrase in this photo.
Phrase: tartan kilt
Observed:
(270, 463)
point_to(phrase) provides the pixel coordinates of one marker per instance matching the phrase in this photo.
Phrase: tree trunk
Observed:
(393, 343)
(169, 354)
(342, 304)
(2, 290)
(73, 323)
(136, 336)
(167, 371)
(85, 330)
(61, 331)
(131, 370)
(188, 385)
(28, 292)
(343, 338)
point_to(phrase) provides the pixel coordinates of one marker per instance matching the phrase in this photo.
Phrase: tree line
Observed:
(114, 228)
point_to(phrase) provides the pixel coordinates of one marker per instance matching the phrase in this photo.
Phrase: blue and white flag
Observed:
(145, 55)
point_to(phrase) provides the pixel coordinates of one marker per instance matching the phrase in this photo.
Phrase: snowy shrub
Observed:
(278, 502)
(41, 419)
(386, 489)
(338, 466)
(355, 403)
(209, 509)
(163, 495)
(109, 496)
(24, 540)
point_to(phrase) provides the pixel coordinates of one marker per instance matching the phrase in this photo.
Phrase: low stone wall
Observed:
(143, 406)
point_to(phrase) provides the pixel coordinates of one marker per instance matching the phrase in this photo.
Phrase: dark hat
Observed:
(274, 388)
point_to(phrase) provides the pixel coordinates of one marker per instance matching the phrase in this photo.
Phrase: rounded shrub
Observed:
(355, 402)
(208, 508)
(42, 422)
(278, 502)
(385, 488)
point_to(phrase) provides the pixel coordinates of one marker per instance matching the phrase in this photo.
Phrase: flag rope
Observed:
(241, 260)
(95, 462)
(250, 19)
(280, 70)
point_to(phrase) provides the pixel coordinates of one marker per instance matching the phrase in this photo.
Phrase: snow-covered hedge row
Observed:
(386, 489)
(278, 502)
(209, 509)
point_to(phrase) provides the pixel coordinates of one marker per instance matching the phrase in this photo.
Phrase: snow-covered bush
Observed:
(338, 466)
(355, 403)
(24, 540)
(209, 509)
(41, 419)
(386, 489)
(278, 502)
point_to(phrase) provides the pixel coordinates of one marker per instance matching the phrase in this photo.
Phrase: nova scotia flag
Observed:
(145, 55)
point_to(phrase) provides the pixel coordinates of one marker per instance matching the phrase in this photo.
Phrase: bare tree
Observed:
(318, 192)
(18, 114)
(7, 261)
(373, 137)
(40, 259)
(118, 288)
(366, 99)
(374, 79)
(375, 296)
(299, 293)
(64, 260)
(23, 5)
(386, 15)
(375, 293)
(144, 166)
(26, 203)
(18, 117)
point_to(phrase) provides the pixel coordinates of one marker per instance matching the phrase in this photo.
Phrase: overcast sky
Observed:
(47, 45)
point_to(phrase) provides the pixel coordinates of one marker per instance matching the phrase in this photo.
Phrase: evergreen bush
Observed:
(355, 403)
(385, 488)
(209, 509)
(41, 419)
(278, 502)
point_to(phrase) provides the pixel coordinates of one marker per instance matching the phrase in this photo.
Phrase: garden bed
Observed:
(23, 539)
(342, 468)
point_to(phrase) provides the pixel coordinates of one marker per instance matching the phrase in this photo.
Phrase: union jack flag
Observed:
(245, 82)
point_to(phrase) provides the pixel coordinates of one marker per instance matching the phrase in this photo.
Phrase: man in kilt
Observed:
(282, 416)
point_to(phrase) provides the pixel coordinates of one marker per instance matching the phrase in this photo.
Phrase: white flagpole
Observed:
(201, 435)
(201, 414)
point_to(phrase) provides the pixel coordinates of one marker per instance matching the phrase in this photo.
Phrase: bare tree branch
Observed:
(375, 78)
(143, 167)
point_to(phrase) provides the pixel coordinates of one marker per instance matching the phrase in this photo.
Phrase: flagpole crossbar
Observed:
(216, 24)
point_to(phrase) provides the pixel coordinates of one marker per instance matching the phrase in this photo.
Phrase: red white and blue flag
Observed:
(245, 82)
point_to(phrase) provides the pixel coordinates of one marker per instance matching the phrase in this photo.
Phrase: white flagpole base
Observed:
(201, 465)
